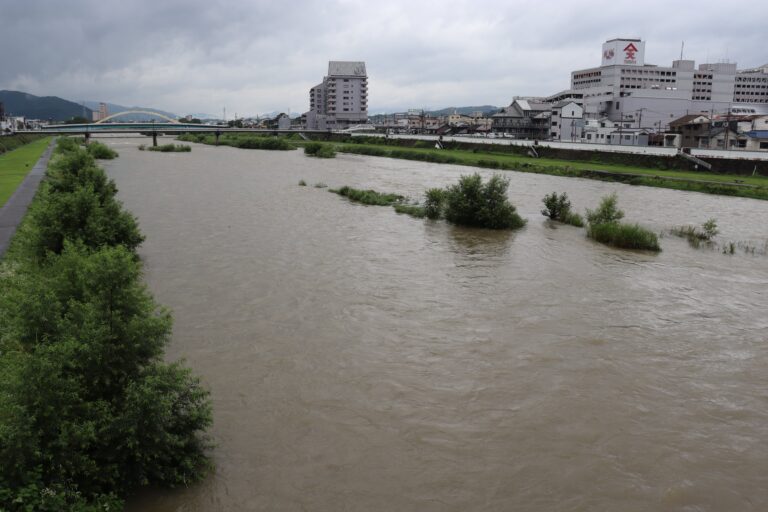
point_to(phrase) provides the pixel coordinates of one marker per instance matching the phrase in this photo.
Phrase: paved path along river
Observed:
(13, 211)
(364, 360)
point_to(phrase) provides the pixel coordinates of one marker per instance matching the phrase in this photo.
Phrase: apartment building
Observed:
(341, 99)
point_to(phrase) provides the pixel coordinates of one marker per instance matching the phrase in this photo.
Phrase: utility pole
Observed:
(640, 117)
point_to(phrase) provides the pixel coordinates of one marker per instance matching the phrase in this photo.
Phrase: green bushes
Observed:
(559, 208)
(604, 227)
(242, 141)
(101, 151)
(706, 233)
(434, 199)
(485, 205)
(468, 203)
(167, 148)
(608, 211)
(89, 411)
(370, 197)
(625, 236)
(414, 210)
(319, 150)
(312, 148)
(77, 203)
(193, 137)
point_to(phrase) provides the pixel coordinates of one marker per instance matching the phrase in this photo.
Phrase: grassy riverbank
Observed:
(755, 187)
(711, 183)
(15, 164)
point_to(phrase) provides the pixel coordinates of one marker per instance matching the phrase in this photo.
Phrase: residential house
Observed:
(523, 119)
(566, 121)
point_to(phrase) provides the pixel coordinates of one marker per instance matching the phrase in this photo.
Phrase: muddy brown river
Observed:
(361, 360)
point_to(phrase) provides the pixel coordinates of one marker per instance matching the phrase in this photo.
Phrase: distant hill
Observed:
(486, 109)
(41, 107)
(114, 108)
(464, 110)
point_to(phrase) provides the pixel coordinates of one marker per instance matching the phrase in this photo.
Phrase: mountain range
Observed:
(18, 103)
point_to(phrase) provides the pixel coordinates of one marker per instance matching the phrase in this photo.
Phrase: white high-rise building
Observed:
(341, 99)
(626, 89)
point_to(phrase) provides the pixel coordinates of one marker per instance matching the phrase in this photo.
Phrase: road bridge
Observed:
(156, 129)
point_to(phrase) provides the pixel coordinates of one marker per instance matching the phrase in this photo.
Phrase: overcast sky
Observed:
(259, 56)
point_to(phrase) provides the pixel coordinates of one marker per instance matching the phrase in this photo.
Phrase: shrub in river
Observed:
(693, 234)
(321, 185)
(368, 196)
(709, 229)
(625, 236)
(171, 148)
(319, 150)
(192, 137)
(302, 183)
(604, 227)
(606, 212)
(434, 201)
(574, 219)
(272, 143)
(142, 147)
(66, 145)
(326, 152)
(559, 208)
(101, 151)
(556, 207)
(414, 210)
(474, 203)
(312, 148)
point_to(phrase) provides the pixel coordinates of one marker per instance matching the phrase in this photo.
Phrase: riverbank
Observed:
(16, 164)
(755, 187)
(15, 205)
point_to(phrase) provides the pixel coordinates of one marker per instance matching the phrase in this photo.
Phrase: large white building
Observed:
(625, 88)
(341, 99)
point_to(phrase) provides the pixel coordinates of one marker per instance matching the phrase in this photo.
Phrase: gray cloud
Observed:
(260, 56)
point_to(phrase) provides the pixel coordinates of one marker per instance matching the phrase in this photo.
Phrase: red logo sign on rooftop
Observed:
(630, 50)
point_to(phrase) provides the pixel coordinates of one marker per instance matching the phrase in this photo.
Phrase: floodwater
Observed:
(361, 360)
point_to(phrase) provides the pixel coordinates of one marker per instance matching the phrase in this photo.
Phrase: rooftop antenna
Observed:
(682, 46)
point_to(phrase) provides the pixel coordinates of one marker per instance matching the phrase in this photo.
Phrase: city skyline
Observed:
(259, 58)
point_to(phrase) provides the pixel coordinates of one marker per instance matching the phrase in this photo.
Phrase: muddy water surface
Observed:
(366, 361)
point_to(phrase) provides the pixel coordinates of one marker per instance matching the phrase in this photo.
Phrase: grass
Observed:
(624, 236)
(414, 210)
(370, 197)
(15, 164)
(167, 148)
(240, 140)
